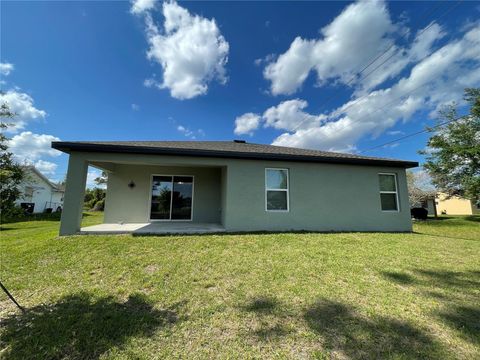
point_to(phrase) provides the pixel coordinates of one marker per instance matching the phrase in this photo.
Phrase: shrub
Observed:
(419, 213)
(99, 205)
(20, 215)
(13, 213)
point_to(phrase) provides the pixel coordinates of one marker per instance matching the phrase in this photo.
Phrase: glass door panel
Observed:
(172, 198)
(161, 198)
(182, 198)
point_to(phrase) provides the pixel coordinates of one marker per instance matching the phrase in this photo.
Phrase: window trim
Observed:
(389, 192)
(150, 220)
(287, 190)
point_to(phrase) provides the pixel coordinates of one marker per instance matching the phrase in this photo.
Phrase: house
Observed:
(38, 193)
(206, 186)
(439, 203)
(456, 205)
(428, 202)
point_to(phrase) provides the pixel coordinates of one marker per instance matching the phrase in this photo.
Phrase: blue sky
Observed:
(268, 72)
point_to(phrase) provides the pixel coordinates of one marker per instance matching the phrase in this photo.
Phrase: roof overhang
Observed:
(68, 147)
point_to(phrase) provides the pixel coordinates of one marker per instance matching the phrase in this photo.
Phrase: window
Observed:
(388, 192)
(28, 193)
(276, 189)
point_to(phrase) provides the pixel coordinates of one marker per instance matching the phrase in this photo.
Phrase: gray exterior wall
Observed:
(124, 204)
(323, 197)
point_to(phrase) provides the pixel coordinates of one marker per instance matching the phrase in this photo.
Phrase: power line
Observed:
(383, 53)
(412, 134)
(393, 43)
(420, 33)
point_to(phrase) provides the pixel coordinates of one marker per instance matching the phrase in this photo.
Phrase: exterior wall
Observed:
(431, 207)
(57, 198)
(124, 204)
(323, 197)
(454, 206)
(42, 192)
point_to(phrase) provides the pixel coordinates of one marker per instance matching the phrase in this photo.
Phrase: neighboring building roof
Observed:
(55, 187)
(226, 149)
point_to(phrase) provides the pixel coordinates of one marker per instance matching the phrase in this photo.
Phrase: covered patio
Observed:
(148, 194)
(153, 228)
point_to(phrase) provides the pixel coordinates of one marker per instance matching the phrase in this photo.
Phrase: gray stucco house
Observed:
(206, 186)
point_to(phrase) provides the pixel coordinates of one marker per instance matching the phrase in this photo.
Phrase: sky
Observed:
(338, 76)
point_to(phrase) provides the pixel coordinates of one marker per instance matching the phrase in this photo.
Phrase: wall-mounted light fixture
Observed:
(131, 184)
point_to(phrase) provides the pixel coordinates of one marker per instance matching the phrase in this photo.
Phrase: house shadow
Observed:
(344, 331)
(81, 326)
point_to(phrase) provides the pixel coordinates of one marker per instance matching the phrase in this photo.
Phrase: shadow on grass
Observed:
(442, 235)
(465, 319)
(456, 291)
(270, 315)
(398, 277)
(345, 331)
(341, 329)
(80, 326)
(261, 304)
(475, 218)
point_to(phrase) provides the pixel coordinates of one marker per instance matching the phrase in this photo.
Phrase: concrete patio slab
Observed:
(154, 228)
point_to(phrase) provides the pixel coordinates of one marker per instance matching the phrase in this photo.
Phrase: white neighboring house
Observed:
(36, 189)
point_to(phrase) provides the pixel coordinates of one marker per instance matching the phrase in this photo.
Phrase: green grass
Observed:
(348, 295)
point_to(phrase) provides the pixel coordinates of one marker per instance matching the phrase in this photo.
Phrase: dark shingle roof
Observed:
(226, 149)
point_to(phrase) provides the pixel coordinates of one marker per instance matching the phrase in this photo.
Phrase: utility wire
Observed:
(354, 77)
(412, 134)
(383, 53)
(420, 33)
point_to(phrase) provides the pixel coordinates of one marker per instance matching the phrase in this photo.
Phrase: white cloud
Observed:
(266, 59)
(246, 124)
(6, 68)
(355, 37)
(30, 147)
(190, 49)
(192, 134)
(438, 79)
(92, 174)
(141, 6)
(22, 105)
(46, 167)
(135, 107)
(289, 115)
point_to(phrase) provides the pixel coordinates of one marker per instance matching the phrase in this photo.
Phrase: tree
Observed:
(419, 187)
(453, 151)
(102, 179)
(11, 173)
(93, 196)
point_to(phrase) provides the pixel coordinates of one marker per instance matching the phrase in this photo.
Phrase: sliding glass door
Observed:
(172, 197)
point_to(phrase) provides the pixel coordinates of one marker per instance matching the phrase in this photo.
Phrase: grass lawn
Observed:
(349, 295)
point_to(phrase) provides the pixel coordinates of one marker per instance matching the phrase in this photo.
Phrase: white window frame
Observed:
(171, 200)
(287, 190)
(389, 192)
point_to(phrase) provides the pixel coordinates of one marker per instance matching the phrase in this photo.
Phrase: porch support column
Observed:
(74, 195)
